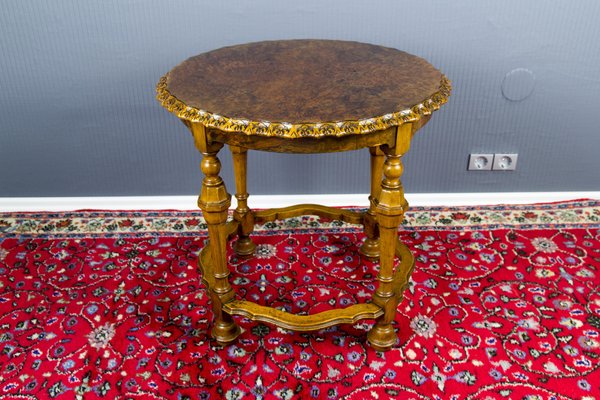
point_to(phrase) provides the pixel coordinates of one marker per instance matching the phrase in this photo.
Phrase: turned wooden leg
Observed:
(389, 209)
(214, 202)
(370, 247)
(244, 246)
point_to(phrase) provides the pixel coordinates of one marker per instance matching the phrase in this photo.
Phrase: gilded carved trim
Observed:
(289, 130)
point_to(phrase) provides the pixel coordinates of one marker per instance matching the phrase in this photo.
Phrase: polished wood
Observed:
(320, 88)
(370, 247)
(307, 145)
(214, 202)
(304, 96)
(303, 81)
(244, 246)
(302, 323)
(351, 217)
(320, 320)
(390, 207)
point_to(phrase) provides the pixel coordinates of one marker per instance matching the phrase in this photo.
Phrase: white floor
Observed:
(265, 201)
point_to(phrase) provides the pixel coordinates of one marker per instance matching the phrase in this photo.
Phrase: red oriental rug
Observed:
(504, 303)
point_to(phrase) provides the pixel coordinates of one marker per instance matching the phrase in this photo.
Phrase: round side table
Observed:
(304, 96)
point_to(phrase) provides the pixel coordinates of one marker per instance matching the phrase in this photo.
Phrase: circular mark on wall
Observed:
(518, 84)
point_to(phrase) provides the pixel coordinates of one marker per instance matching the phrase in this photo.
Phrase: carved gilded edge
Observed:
(289, 130)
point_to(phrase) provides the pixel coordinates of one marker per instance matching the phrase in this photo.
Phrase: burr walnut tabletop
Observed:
(304, 96)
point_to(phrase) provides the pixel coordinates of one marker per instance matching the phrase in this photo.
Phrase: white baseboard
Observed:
(8, 204)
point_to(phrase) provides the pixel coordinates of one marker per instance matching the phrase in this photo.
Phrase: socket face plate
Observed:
(505, 161)
(480, 162)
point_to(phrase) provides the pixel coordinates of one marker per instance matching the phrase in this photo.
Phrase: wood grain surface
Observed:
(303, 81)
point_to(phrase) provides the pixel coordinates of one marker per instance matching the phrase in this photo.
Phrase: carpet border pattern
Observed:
(96, 223)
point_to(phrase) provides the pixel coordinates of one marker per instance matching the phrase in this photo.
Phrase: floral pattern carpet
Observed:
(504, 303)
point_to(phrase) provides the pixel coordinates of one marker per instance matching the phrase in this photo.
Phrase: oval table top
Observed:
(300, 88)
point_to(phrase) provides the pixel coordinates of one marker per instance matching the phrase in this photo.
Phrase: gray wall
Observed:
(78, 115)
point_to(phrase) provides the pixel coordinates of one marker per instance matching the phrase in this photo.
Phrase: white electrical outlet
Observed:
(505, 162)
(480, 162)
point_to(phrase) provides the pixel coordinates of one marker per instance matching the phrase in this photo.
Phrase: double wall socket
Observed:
(493, 162)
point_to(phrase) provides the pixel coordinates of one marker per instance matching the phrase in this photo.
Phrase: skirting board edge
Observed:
(11, 204)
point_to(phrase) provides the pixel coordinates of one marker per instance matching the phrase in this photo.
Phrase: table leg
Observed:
(390, 210)
(214, 202)
(370, 247)
(244, 246)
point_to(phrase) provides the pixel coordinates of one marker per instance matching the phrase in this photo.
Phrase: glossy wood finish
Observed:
(303, 81)
(309, 83)
(214, 202)
(244, 245)
(370, 247)
(305, 145)
(320, 320)
(389, 211)
(381, 222)
(302, 89)
(351, 217)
